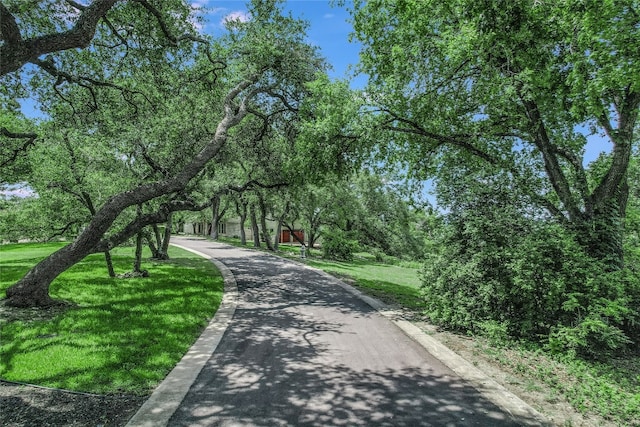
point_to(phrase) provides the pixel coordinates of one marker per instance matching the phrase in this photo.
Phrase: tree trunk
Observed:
(241, 210)
(263, 223)
(153, 246)
(217, 213)
(107, 258)
(33, 288)
(137, 262)
(276, 239)
(166, 238)
(602, 233)
(215, 216)
(254, 227)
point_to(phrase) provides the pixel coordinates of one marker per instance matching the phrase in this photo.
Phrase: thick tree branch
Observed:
(541, 140)
(622, 139)
(576, 163)
(22, 148)
(8, 27)
(16, 51)
(141, 221)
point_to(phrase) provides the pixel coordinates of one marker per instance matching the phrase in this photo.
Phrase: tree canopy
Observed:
(162, 108)
(514, 88)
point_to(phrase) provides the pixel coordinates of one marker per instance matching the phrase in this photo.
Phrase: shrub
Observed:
(338, 246)
(535, 284)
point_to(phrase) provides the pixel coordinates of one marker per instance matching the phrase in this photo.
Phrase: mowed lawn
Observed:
(389, 282)
(118, 335)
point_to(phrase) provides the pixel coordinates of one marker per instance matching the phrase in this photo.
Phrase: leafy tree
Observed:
(259, 60)
(66, 42)
(510, 86)
(495, 101)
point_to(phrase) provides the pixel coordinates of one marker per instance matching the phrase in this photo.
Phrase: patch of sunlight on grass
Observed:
(121, 335)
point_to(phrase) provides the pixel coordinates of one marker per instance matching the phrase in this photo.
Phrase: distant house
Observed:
(230, 227)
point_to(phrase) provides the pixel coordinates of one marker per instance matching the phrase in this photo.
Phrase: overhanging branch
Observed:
(14, 152)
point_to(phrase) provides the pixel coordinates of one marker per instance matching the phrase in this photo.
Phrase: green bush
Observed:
(529, 279)
(338, 246)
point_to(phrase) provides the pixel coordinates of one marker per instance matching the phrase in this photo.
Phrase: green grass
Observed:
(610, 390)
(121, 335)
(391, 283)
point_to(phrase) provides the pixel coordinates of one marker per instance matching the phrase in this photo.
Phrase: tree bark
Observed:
(215, 217)
(166, 238)
(16, 51)
(107, 258)
(33, 288)
(137, 262)
(276, 239)
(217, 213)
(154, 246)
(254, 226)
(263, 222)
(241, 209)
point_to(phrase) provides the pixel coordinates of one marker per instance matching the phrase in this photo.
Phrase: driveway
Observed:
(301, 350)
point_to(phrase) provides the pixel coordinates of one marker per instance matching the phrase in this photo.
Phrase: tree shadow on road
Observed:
(287, 359)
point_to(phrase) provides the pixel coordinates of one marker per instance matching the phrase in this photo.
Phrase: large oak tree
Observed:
(258, 61)
(516, 87)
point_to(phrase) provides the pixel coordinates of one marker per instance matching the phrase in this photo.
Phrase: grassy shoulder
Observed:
(570, 391)
(120, 335)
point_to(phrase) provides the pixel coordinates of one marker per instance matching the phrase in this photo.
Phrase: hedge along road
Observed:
(301, 350)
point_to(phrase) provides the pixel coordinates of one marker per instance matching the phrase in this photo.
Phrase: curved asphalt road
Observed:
(302, 351)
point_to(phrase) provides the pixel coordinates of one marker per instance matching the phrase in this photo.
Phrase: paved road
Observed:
(302, 351)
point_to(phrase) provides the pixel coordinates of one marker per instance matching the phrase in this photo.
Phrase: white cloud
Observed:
(236, 16)
(328, 15)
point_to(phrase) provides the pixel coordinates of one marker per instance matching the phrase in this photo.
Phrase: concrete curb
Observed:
(493, 391)
(165, 400)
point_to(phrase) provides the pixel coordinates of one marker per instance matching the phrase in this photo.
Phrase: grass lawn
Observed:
(390, 283)
(121, 335)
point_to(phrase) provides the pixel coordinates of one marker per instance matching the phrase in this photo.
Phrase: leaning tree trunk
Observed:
(166, 238)
(33, 289)
(153, 246)
(160, 249)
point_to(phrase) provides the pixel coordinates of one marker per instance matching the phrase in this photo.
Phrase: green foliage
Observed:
(122, 336)
(515, 87)
(336, 245)
(504, 273)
